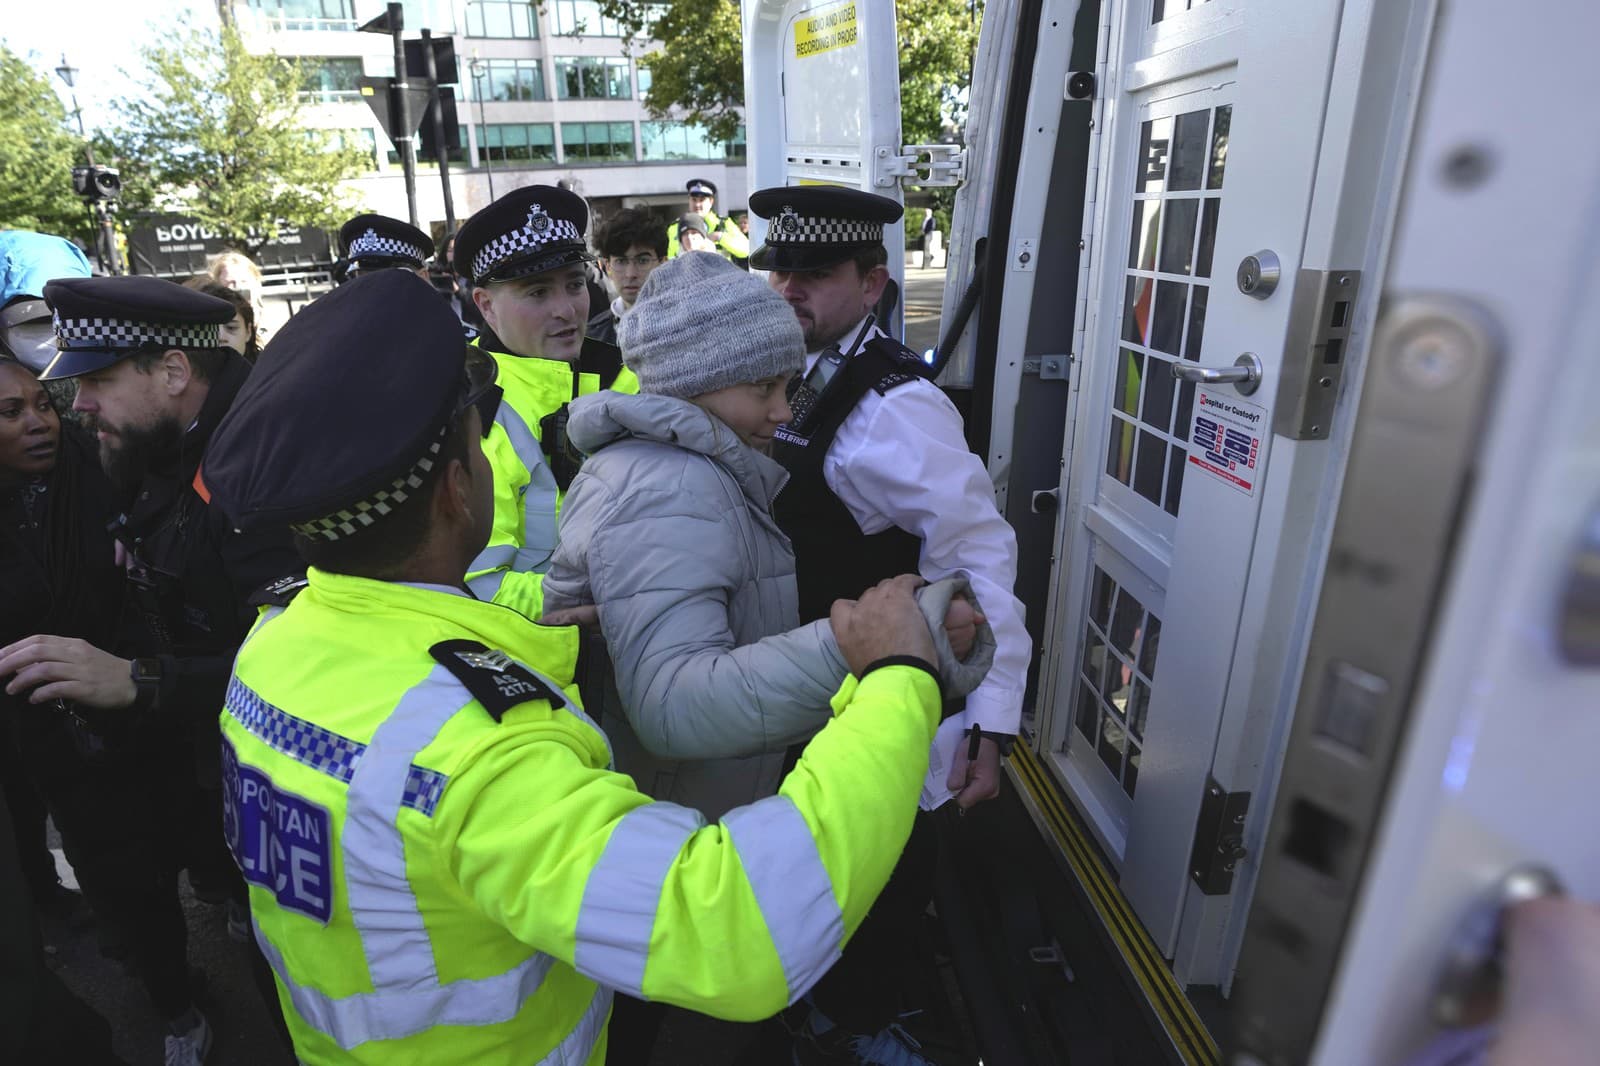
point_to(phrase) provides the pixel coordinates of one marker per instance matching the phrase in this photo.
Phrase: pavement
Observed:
(924, 296)
(225, 988)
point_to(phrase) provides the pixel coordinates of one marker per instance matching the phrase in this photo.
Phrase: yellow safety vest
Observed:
(730, 239)
(527, 501)
(442, 868)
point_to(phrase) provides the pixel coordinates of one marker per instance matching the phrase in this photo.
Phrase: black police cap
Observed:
(701, 187)
(99, 321)
(346, 416)
(527, 231)
(815, 226)
(370, 242)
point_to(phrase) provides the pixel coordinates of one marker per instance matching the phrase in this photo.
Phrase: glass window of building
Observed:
(593, 78)
(642, 75)
(516, 144)
(294, 15)
(328, 79)
(501, 18)
(597, 142)
(510, 79)
(582, 18)
(436, 15)
(668, 141)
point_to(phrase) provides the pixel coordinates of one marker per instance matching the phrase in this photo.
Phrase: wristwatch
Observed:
(146, 674)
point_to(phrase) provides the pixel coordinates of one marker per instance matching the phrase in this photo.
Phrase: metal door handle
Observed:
(1469, 983)
(1244, 374)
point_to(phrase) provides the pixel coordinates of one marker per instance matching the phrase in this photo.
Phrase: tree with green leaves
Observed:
(219, 134)
(698, 73)
(38, 155)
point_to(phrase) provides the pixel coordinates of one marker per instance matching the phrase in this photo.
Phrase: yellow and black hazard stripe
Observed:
(1165, 998)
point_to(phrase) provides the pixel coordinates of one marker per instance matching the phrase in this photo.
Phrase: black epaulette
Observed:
(601, 359)
(278, 593)
(495, 679)
(902, 364)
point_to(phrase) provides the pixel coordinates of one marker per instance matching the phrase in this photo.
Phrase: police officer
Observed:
(525, 257)
(441, 867)
(153, 383)
(371, 242)
(725, 234)
(881, 482)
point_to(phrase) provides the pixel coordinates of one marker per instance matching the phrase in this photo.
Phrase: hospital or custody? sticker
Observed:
(1227, 439)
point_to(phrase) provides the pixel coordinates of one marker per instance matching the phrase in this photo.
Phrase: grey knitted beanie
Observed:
(701, 324)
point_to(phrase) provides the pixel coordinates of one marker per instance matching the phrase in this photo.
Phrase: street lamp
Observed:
(475, 65)
(66, 72)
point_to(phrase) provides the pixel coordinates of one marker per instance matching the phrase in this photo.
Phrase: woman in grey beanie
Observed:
(668, 529)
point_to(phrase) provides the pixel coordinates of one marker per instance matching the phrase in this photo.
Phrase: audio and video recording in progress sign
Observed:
(830, 28)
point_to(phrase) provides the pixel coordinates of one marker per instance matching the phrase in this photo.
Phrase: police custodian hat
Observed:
(99, 321)
(371, 242)
(349, 414)
(527, 231)
(815, 226)
(701, 187)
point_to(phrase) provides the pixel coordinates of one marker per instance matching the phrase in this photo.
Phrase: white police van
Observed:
(1282, 357)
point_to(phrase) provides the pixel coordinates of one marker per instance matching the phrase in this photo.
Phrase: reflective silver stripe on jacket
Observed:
(791, 886)
(576, 1047)
(779, 858)
(623, 893)
(394, 1013)
(407, 996)
(539, 505)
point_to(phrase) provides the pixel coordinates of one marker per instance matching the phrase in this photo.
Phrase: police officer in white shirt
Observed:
(882, 482)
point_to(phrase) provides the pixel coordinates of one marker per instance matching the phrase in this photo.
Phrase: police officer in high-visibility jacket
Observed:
(723, 231)
(442, 868)
(525, 256)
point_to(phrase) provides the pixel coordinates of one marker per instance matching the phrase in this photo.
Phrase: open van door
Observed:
(822, 107)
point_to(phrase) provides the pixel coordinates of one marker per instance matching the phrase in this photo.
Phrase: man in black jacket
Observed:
(153, 383)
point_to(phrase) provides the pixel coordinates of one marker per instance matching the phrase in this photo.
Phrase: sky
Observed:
(101, 39)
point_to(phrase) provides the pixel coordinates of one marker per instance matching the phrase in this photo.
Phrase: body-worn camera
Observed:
(563, 457)
(94, 183)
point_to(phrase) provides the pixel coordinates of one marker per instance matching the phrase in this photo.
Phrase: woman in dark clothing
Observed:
(60, 576)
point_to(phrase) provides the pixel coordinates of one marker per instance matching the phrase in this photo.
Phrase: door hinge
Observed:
(944, 168)
(1315, 352)
(1218, 839)
(1048, 367)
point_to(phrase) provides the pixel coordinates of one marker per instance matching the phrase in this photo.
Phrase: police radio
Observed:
(822, 381)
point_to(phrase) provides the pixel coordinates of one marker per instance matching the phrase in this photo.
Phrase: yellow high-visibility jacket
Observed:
(527, 500)
(443, 869)
(730, 239)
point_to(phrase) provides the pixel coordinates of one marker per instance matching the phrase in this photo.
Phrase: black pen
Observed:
(972, 745)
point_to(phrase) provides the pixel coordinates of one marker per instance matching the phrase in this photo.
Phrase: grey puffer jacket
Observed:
(668, 529)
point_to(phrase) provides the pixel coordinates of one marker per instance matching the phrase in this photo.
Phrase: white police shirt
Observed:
(901, 459)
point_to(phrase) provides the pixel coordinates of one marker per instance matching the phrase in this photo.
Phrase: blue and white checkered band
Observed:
(791, 227)
(371, 243)
(539, 230)
(363, 514)
(321, 749)
(121, 333)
